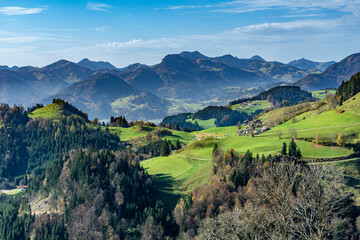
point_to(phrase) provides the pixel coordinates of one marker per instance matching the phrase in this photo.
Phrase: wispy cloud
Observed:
(241, 6)
(291, 25)
(21, 39)
(98, 6)
(264, 33)
(189, 7)
(20, 10)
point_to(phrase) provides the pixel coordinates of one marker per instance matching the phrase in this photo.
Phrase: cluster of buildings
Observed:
(255, 127)
(248, 103)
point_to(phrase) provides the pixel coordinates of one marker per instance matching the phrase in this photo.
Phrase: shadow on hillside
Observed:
(166, 185)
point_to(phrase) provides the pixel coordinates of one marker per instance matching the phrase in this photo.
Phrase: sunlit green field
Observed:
(191, 166)
(261, 104)
(126, 134)
(205, 124)
(134, 132)
(11, 192)
(177, 176)
(326, 124)
(319, 95)
(49, 111)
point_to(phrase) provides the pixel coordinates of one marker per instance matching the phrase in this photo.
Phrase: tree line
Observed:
(280, 96)
(27, 146)
(273, 197)
(349, 88)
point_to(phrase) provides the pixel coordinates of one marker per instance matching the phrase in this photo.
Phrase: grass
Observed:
(127, 134)
(177, 176)
(262, 104)
(205, 124)
(190, 167)
(279, 112)
(183, 137)
(327, 124)
(353, 104)
(220, 130)
(260, 145)
(126, 103)
(50, 111)
(11, 192)
(131, 133)
(316, 94)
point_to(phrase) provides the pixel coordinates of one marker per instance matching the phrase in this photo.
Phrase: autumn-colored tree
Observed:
(340, 139)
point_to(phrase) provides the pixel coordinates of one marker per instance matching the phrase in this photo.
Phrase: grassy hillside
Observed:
(203, 148)
(50, 111)
(177, 175)
(352, 105)
(321, 95)
(260, 105)
(183, 137)
(126, 134)
(191, 166)
(326, 124)
(134, 132)
(220, 130)
(57, 110)
(205, 124)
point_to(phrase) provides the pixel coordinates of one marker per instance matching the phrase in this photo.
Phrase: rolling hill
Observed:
(104, 95)
(18, 87)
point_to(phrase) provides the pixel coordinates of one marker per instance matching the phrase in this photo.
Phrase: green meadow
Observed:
(260, 104)
(320, 95)
(50, 111)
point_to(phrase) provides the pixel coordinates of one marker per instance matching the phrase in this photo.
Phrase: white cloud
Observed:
(131, 43)
(20, 10)
(241, 6)
(21, 39)
(98, 6)
(189, 7)
(291, 25)
(264, 33)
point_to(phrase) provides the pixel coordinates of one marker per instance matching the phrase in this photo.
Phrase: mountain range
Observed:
(180, 82)
(333, 76)
(308, 64)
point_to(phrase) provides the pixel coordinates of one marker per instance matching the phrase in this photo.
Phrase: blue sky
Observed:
(123, 32)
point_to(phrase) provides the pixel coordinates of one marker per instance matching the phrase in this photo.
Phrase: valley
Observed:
(154, 92)
(179, 120)
(181, 160)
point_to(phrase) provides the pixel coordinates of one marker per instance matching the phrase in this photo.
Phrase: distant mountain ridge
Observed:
(187, 77)
(4, 67)
(308, 64)
(333, 76)
(101, 94)
(93, 65)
